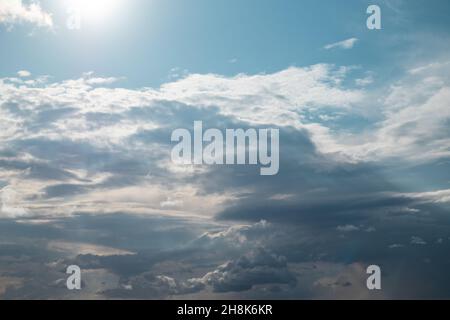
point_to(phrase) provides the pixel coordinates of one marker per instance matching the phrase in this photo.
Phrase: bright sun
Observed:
(94, 10)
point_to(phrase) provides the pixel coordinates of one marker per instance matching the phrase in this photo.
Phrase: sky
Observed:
(85, 171)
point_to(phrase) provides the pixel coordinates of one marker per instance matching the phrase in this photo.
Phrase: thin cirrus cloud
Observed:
(345, 44)
(16, 12)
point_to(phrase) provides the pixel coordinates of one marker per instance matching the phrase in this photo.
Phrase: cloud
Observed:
(90, 161)
(255, 268)
(15, 11)
(431, 67)
(417, 240)
(83, 140)
(411, 122)
(69, 128)
(362, 82)
(237, 238)
(148, 285)
(100, 81)
(396, 246)
(24, 73)
(77, 248)
(10, 204)
(275, 98)
(438, 196)
(347, 228)
(345, 44)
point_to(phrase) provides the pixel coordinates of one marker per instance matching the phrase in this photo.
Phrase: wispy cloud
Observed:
(14, 12)
(345, 44)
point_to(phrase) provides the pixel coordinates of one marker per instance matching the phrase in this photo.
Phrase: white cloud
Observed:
(345, 44)
(364, 81)
(435, 66)
(417, 241)
(76, 248)
(14, 11)
(101, 81)
(396, 246)
(24, 73)
(438, 196)
(266, 98)
(11, 206)
(347, 228)
(410, 124)
(171, 203)
(237, 237)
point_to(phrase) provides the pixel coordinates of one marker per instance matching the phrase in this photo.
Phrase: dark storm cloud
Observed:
(338, 210)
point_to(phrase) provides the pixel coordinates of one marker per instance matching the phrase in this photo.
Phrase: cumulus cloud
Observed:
(345, 44)
(237, 236)
(15, 11)
(255, 268)
(267, 98)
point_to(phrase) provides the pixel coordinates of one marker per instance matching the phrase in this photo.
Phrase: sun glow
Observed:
(94, 11)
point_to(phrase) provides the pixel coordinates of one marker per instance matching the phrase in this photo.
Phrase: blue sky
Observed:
(143, 41)
(85, 170)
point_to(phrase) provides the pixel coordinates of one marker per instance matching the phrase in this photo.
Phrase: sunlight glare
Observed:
(94, 11)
